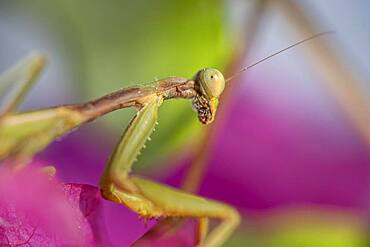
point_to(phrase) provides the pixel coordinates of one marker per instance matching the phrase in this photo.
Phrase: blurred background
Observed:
(291, 145)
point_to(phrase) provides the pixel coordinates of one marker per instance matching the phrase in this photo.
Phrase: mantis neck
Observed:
(173, 87)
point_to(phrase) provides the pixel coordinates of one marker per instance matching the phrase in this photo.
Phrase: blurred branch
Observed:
(195, 174)
(339, 79)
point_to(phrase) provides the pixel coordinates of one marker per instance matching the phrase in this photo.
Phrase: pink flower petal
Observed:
(169, 233)
(36, 210)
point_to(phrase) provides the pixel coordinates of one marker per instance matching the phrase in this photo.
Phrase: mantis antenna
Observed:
(278, 52)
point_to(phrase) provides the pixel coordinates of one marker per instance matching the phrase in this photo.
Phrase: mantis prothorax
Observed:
(22, 135)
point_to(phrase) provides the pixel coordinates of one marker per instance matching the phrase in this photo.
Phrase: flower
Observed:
(40, 211)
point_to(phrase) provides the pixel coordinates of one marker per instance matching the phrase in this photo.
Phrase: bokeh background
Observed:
(291, 145)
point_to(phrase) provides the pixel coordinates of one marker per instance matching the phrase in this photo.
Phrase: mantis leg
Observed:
(150, 199)
(20, 79)
(170, 202)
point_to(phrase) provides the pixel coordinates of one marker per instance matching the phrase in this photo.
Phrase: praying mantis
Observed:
(24, 134)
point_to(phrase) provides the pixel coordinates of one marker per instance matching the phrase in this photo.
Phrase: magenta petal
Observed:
(38, 211)
(182, 235)
(87, 203)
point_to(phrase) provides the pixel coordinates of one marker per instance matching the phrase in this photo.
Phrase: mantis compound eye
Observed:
(211, 82)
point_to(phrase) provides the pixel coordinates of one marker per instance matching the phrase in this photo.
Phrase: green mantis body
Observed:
(22, 135)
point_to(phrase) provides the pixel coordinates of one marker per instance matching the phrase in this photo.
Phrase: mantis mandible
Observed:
(24, 134)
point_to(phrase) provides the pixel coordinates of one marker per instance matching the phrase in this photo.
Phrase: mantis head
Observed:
(210, 84)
